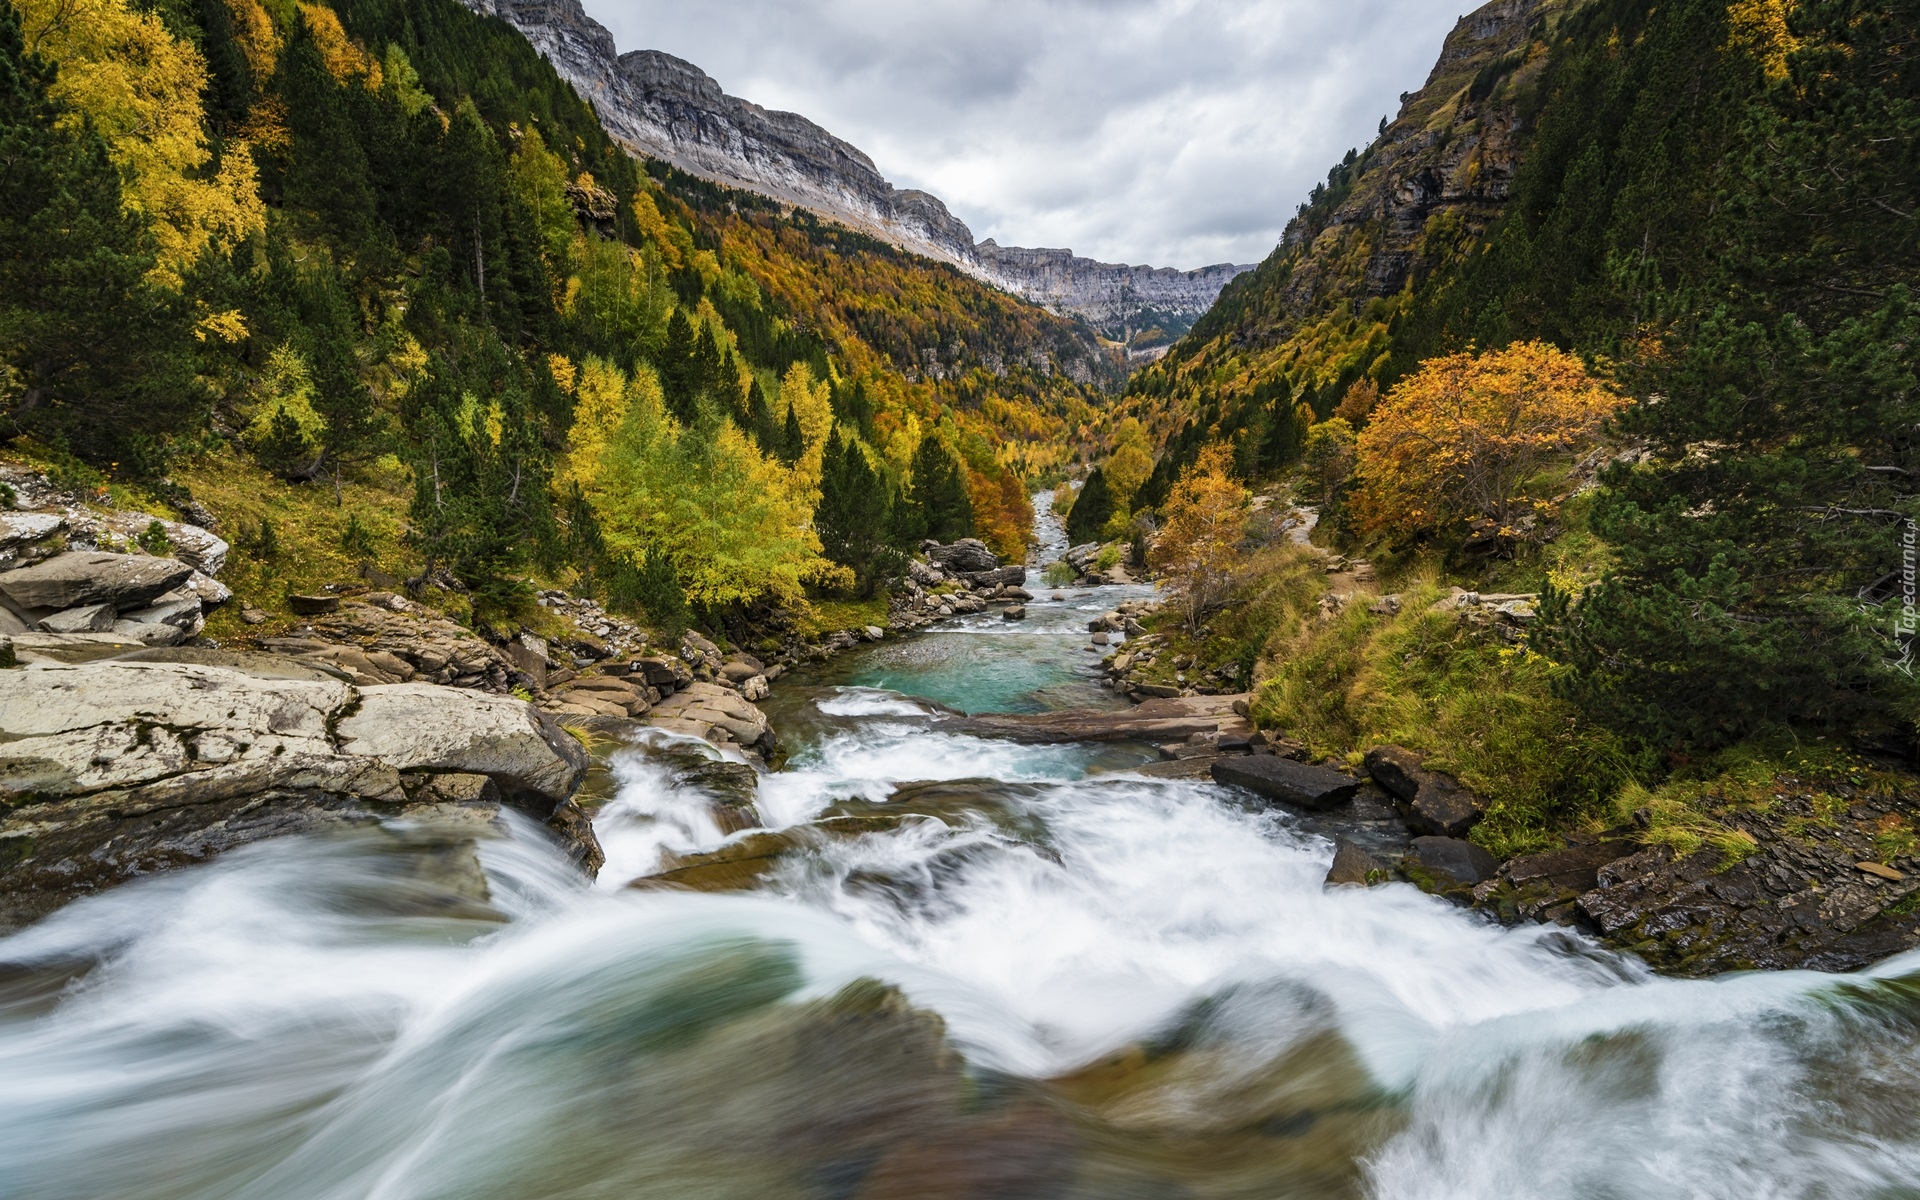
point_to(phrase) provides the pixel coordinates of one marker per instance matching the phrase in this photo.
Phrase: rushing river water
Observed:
(1052, 979)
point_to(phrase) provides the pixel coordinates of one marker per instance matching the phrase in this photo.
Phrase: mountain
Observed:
(668, 109)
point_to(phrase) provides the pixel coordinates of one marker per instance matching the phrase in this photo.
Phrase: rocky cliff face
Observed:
(667, 108)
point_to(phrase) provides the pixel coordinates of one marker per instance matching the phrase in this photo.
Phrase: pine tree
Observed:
(677, 367)
(938, 498)
(1091, 511)
(326, 176)
(1759, 553)
(101, 356)
(793, 442)
(854, 515)
(760, 421)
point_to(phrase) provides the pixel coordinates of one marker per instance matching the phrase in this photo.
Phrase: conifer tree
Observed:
(854, 515)
(100, 356)
(760, 421)
(793, 441)
(326, 176)
(676, 365)
(1092, 509)
(941, 507)
(1759, 552)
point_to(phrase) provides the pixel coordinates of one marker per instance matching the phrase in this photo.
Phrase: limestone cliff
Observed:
(668, 109)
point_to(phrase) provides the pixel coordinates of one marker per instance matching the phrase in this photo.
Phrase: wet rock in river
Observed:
(1354, 866)
(1448, 867)
(1298, 785)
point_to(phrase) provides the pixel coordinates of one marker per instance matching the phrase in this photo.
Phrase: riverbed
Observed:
(1016, 971)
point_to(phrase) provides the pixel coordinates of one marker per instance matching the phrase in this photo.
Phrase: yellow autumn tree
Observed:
(1464, 435)
(1205, 518)
(812, 406)
(140, 87)
(735, 525)
(1130, 463)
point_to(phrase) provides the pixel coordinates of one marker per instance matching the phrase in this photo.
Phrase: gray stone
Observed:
(80, 577)
(149, 633)
(1432, 803)
(88, 618)
(966, 556)
(314, 605)
(1315, 789)
(18, 529)
(1353, 866)
(425, 727)
(181, 614)
(1448, 866)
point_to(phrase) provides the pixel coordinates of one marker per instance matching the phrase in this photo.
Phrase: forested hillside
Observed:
(1714, 206)
(378, 253)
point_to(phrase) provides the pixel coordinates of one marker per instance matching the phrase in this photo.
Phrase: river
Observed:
(1050, 979)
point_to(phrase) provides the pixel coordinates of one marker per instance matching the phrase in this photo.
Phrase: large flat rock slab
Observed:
(80, 577)
(115, 769)
(1298, 785)
(1165, 720)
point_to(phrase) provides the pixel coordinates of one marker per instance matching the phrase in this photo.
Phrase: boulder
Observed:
(998, 577)
(181, 612)
(1433, 804)
(80, 577)
(1020, 594)
(663, 672)
(965, 556)
(1353, 866)
(18, 528)
(113, 770)
(1447, 866)
(88, 618)
(1014, 612)
(528, 653)
(754, 689)
(1315, 789)
(873, 633)
(424, 728)
(150, 634)
(739, 670)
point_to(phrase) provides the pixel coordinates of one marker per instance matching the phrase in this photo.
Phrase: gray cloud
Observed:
(1172, 132)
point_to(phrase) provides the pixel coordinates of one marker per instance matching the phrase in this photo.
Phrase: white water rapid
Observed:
(1028, 974)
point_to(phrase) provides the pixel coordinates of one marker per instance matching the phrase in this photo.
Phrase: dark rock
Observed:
(966, 556)
(313, 606)
(1014, 612)
(999, 577)
(1448, 866)
(1576, 868)
(76, 578)
(1354, 866)
(664, 672)
(1315, 789)
(1433, 803)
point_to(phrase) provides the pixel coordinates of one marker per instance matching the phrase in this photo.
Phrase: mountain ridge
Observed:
(667, 108)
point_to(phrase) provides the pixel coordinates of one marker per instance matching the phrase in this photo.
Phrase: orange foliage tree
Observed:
(1205, 517)
(1462, 436)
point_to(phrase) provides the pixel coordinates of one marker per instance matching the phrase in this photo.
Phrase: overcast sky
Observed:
(1172, 132)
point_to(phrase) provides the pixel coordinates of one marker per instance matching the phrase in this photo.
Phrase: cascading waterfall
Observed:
(1033, 975)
